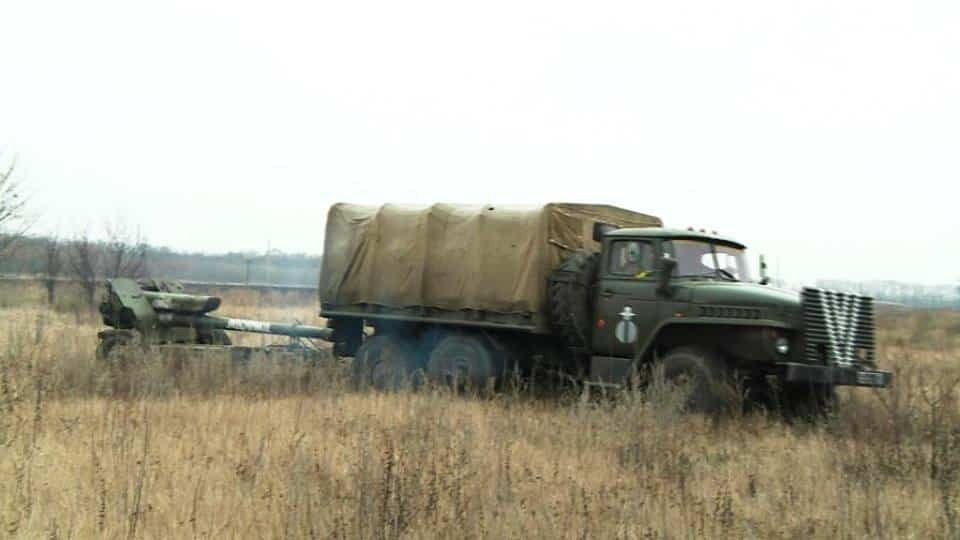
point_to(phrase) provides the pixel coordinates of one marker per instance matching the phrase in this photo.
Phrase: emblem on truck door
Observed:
(626, 331)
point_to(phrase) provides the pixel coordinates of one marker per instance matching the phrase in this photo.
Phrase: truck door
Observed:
(626, 298)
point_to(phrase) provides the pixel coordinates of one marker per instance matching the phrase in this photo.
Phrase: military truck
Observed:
(467, 295)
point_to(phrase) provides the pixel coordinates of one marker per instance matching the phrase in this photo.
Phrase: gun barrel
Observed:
(245, 325)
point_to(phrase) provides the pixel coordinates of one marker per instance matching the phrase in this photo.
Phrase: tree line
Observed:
(118, 250)
(122, 252)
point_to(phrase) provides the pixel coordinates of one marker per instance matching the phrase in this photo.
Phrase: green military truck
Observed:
(470, 294)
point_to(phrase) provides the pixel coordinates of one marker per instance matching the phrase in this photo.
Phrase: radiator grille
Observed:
(838, 328)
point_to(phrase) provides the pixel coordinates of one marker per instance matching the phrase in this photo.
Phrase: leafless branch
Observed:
(12, 225)
(84, 258)
(125, 251)
(122, 254)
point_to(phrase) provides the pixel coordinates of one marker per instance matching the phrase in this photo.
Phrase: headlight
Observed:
(782, 345)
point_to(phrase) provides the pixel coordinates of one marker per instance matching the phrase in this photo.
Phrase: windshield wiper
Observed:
(726, 274)
(697, 276)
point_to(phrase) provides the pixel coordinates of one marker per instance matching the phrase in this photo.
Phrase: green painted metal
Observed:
(161, 316)
(667, 233)
(641, 307)
(635, 300)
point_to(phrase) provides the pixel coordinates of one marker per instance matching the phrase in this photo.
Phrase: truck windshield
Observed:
(697, 258)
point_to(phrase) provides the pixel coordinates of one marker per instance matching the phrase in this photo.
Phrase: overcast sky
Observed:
(825, 134)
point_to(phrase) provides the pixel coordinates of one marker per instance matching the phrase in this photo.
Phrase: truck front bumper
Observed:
(835, 375)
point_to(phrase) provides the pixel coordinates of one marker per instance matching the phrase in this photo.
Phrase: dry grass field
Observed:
(163, 449)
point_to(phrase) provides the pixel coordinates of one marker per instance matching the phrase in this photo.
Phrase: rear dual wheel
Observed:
(386, 363)
(460, 361)
(464, 361)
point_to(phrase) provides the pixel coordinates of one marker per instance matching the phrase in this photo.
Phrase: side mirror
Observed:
(665, 269)
(600, 228)
(764, 278)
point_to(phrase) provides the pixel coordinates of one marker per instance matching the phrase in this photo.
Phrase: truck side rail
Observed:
(520, 322)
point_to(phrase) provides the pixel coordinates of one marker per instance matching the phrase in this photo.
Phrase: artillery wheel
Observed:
(386, 363)
(705, 378)
(110, 340)
(105, 346)
(463, 361)
(215, 337)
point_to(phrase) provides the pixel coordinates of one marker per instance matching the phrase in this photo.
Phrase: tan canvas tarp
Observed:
(455, 257)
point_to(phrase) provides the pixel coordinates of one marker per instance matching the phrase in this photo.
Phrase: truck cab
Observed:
(690, 298)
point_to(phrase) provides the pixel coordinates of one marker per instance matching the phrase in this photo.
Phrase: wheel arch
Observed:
(742, 341)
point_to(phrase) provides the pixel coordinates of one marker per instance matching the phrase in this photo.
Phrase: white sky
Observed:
(825, 134)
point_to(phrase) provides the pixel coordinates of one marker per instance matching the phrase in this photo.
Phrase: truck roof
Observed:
(663, 232)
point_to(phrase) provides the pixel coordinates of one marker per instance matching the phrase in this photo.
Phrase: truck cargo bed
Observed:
(485, 264)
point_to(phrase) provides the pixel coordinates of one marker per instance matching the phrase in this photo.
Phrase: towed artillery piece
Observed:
(147, 314)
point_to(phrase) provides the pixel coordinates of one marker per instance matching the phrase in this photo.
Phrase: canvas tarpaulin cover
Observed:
(456, 257)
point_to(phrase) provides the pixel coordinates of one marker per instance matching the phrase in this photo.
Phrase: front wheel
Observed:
(704, 378)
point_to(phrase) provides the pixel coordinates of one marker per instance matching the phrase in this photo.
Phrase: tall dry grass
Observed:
(168, 448)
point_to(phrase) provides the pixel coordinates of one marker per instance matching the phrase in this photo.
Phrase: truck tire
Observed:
(571, 297)
(463, 361)
(705, 376)
(386, 363)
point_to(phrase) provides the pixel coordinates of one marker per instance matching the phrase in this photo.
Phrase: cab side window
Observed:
(632, 258)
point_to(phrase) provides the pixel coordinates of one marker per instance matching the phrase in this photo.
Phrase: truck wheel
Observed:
(571, 299)
(704, 375)
(463, 361)
(808, 401)
(386, 363)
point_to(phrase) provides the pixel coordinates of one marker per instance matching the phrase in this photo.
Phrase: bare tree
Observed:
(125, 252)
(84, 256)
(12, 226)
(53, 249)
